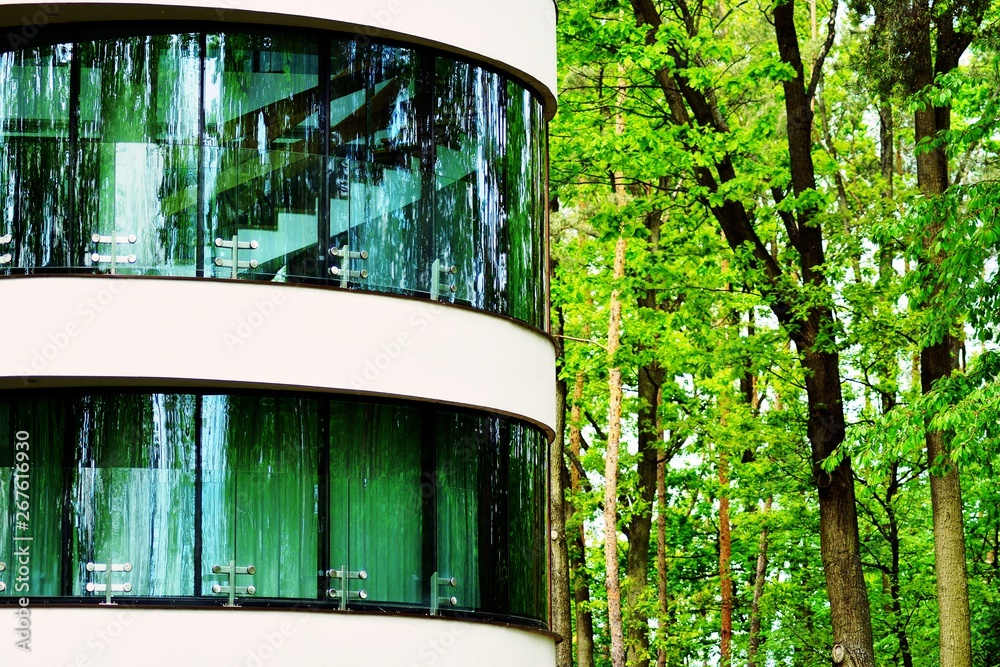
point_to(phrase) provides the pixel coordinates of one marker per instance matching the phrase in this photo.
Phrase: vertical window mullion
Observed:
(75, 86)
(428, 167)
(324, 73)
(199, 261)
(429, 496)
(198, 486)
(323, 520)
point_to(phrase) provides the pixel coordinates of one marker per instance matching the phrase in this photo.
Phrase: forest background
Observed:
(774, 238)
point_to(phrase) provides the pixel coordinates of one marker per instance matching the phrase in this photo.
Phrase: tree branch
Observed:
(578, 464)
(597, 428)
(791, 227)
(831, 32)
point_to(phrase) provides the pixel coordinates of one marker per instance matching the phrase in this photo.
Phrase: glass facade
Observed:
(177, 486)
(273, 156)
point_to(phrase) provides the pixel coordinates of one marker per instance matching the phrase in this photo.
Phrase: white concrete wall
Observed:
(516, 35)
(118, 636)
(87, 331)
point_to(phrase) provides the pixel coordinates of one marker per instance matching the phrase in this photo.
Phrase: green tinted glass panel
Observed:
(528, 493)
(376, 499)
(32, 481)
(35, 177)
(137, 165)
(470, 231)
(375, 118)
(260, 493)
(133, 494)
(459, 438)
(242, 155)
(263, 181)
(526, 223)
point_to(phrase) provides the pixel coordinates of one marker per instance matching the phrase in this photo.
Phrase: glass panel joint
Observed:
(344, 593)
(230, 588)
(437, 583)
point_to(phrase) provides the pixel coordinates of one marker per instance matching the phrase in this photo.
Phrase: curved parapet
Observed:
(157, 332)
(114, 636)
(516, 36)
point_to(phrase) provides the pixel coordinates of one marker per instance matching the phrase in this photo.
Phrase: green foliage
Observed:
(900, 271)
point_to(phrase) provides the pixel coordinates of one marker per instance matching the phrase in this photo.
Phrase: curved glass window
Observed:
(274, 156)
(249, 499)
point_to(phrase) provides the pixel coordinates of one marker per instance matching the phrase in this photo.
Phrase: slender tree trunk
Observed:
(939, 358)
(886, 141)
(760, 576)
(559, 607)
(949, 537)
(661, 559)
(725, 572)
(581, 590)
(612, 580)
(886, 154)
(895, 597)
(639, 528)
(748, 387)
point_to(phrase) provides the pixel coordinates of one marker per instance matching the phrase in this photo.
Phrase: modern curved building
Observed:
(275, 379)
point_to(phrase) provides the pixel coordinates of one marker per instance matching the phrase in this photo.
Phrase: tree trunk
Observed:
(839, 541)
(581, 590)
(725, 572)
(661, 559)
(892, 531)
(639, 528)
(938, 358)
(612, 580)
(760, 576)
(559, 606)
(949, 536)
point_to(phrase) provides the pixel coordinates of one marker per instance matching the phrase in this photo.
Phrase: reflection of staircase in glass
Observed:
(360, 194)
(296, 233)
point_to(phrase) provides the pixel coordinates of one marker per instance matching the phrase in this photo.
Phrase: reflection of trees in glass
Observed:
(385, 149)
(528, 495)
(45, 422)
(401, 491)
(459, 438)
(470, 221)
(524, 167)
(376, 498)
(138, 116)
(34, 145)
(132, 491)
(260, 492)
(388, 213)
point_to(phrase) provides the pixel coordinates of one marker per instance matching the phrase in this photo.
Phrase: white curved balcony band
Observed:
(78, 331)
(118, 636)
(516, 36)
